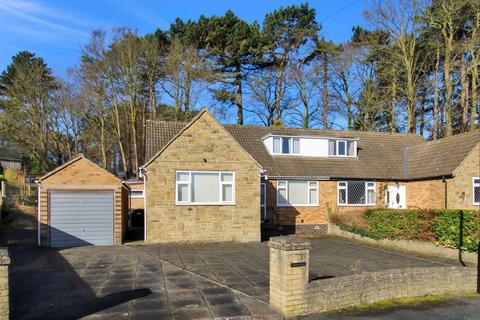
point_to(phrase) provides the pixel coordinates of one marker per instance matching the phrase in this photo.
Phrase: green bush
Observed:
(442, 227)
(446, 228)
(394, 224)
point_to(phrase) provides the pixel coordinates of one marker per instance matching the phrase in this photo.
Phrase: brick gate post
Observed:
(4, 292)
(289, 268)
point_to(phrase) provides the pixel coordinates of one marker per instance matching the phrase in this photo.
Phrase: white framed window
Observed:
(204, 188)
(297, 193)
(286, 145)
(136, 193)
(342, 148)
(476, 190)
(356, 193)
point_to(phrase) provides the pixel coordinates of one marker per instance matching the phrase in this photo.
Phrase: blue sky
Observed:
(56, 30)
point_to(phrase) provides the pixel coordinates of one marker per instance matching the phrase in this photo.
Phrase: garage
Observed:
(81, 218)
(81, 204)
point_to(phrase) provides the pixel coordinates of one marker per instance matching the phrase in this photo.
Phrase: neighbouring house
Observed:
(80, 203)
(211, 182)
(136, 213)
(10, 159)
(202, 185)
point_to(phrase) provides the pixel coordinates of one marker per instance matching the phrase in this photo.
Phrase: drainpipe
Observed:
(143, 173)
(445, 191)
(38, 211)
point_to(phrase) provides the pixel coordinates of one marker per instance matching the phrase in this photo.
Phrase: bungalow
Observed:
(211, 182)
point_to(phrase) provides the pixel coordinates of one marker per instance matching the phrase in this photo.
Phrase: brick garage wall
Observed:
(365, 288)
(460, 192)
(81, 175)
(4, 284)
(204, 146)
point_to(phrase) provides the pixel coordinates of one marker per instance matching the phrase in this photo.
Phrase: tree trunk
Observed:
(475, 108)
(449, 90)
(435, 98)
(325, 90)
(238, 95)
(134, 138)
(393, 110)
(153, 99)
(188, 84)
(464, 94)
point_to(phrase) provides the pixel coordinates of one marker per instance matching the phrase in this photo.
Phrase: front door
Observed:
(396, 197)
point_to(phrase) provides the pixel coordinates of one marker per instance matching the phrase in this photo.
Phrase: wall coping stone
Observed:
(288, 243)
(4, 257)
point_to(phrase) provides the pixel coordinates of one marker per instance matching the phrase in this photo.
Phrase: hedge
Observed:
(442, 227)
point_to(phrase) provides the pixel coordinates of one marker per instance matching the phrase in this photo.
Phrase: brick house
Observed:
(213, 182)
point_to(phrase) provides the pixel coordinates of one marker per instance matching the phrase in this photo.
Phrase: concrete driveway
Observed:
(167, 281)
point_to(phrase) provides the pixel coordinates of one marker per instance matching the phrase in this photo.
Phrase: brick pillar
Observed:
(4, 295)
(289, 268)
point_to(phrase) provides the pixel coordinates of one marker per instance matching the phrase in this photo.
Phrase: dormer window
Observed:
(285, 145)
(342, 148)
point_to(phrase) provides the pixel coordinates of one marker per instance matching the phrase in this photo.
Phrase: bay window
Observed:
(205, 187)
(356, 193)
(297, 193)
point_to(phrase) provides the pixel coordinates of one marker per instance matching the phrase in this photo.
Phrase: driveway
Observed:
(167, 281)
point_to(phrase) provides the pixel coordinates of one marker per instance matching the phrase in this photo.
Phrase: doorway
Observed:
(396, 197)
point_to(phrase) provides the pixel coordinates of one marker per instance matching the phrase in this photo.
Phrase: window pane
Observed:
(476, 181)
(341, 148)
(331, 147)
(282, 196)
(285, 145)
(262, 194)
(282, 183)
(350, 148)
(276, 145)
(342, 196)
(476, 195)
(295, 146)
(313, 184)
(342, 184)
(182, 192)
(370, 196)
(313, 196)
(205, 187)
(227, 193)
(227, 177)
(356, 192)
(182, 176)
(298, 192)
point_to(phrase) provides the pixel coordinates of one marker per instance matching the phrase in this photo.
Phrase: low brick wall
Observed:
(4, 289)
(417, 247)
(292, 294)
(365, 288)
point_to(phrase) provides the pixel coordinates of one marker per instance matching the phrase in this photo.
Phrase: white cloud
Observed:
(41, 19)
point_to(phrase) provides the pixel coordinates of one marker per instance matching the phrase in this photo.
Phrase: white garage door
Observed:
(81, 218)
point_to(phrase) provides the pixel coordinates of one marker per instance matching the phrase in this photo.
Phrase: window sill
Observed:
(296, 205)
(203, 204)
(355, 205)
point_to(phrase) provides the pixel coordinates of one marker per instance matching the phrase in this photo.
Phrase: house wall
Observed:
(204, 146)
(81, 175)
(313, 219)
(136, 203)
(425, 194)
(460, 192)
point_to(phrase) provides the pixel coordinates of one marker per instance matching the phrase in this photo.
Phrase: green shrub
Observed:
(446, 228)
(394, 224)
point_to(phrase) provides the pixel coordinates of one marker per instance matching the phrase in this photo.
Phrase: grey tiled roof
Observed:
(380, 155)
(10, 154)
(439, 157)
